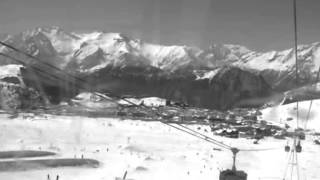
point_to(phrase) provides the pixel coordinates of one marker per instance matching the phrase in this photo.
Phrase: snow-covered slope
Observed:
(13, 92)
(146, 150)
(288, 114)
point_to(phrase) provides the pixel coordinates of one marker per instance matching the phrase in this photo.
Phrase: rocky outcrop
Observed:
(13, 92)
(232, 85)
(223, 90)
(13, 96)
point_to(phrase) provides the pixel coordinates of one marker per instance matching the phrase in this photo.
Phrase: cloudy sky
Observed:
(258, 24)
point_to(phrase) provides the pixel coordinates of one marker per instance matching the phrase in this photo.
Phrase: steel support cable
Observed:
(85, 87)
(53, 75)
(310, 106)
(297, 165)
(265, 149)
(42, 62)
(297, 84)
(230, 147)
(199, 135)
(207, 137)
(128, 101)
(287, 166)
(296, 52)
(296, 57)
(32, 74)
(292, 162)
(35, 68)
(195, 135)
(291, 174)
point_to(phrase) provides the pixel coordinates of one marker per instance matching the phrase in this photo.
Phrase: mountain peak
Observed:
(121, 49)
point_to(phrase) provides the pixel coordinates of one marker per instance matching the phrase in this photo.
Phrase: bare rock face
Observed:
(13, 92)
(222, 90)
(13, 96)
(231, 85)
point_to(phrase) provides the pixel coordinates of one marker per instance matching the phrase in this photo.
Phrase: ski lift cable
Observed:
(207, 137)
(28, 55)
(195, 135)
(296, 52)
(45, 72)
(287, 163)
(294, 151)
(296, 58)
(23, 63)
(229, 147)
(42, 62)
(48, 74)
(109, 93)
(33, 67)
(297, 166)
(296, 137)
(290, 162)
(287, 166)
(233, 150)
(263, 149)
(32, 73)
(291, 174)
(310, 106)
(12, 58)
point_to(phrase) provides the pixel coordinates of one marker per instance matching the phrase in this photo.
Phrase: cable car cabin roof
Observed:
(232, 175)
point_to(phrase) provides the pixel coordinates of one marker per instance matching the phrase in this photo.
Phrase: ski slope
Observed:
(288, 114)
(147, 150)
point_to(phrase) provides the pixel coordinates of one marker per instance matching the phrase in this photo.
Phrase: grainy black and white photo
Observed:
(159, 89)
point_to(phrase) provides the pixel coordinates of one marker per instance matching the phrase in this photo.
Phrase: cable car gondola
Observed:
(298, 147)
(287, 148)
(233, 174)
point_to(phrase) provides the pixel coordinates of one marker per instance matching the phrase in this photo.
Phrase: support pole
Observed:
(234, 152)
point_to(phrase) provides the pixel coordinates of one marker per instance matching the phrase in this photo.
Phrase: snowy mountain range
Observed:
(89, 52)
(97, 54)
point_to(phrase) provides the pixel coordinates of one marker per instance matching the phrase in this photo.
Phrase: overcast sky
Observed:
(258, 24)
